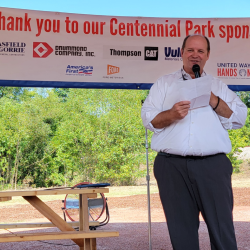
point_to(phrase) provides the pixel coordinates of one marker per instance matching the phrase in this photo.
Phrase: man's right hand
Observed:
(177, 112)
(180, 110)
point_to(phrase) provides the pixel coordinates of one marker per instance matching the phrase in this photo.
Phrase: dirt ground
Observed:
(129, 216)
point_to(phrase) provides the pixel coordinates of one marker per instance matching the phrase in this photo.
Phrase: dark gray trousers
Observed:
(190, 185)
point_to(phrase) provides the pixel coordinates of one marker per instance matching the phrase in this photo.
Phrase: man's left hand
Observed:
(213, 100)
(222, 109)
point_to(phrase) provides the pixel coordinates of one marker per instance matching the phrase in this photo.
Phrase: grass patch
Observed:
(130, 190)
(113, 192)
(19, 200)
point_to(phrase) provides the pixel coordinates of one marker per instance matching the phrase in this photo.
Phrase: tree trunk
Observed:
(8, 170)
(65, 176)
(16, 163)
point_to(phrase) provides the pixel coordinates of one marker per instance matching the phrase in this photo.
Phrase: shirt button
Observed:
(192, 122)
(190, 147)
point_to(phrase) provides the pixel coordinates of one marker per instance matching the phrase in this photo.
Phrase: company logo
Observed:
(73, 51)
(172, 54)
(233, 70)
(242, 72)
(123, 52)
(227, 72)
(111, 73)
(41, 49)
(245, 70)
(126, 53)
(151, 53)
(79, 70)
(244, 65)
(112, 69)
(245, 73)
(12, 48)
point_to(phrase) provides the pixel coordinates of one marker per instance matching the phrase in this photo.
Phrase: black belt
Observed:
(186, 156)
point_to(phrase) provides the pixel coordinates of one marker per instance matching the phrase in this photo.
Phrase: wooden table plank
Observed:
(51, 215)
(85, 239)
(83, 216)
(93, 244)
(84, 219)
(42, 224)
(83, 213)
(53, 192)
(7, 198)
(56, 236)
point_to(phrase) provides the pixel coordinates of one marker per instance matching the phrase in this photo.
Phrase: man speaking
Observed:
(190, 112)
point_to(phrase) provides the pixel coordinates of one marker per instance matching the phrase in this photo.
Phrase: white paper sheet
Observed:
(197, 91)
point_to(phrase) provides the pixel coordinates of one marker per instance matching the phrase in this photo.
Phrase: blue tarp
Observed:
(93, 85)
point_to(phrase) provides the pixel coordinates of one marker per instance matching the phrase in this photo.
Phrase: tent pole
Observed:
(148, 194)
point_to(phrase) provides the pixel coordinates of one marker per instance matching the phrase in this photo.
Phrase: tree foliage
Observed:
(59, 137)
(245, 97)
(63, 136)
(241, 137)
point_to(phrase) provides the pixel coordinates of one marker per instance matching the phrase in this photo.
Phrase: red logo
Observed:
(41, 50)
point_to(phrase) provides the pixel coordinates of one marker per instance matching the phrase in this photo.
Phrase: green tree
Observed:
(245, 97)
(101, 136)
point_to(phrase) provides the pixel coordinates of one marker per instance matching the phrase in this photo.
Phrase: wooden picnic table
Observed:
(84, 238)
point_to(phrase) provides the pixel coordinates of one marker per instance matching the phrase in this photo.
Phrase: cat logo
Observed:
(151, 53)
(112, 70)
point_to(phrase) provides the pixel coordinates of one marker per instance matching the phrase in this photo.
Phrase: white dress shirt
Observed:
(201, 132)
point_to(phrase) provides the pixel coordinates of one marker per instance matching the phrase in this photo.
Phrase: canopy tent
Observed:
(51, 49)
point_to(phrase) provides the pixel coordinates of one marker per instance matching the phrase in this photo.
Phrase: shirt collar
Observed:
(188, 77)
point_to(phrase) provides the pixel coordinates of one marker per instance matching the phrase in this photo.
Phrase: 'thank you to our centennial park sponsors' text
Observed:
(137, 28)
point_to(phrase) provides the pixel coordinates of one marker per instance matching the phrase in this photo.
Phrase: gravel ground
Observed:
(245, 154)
(129, 217)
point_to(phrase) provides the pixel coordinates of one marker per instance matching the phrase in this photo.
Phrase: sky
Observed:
(146, 8)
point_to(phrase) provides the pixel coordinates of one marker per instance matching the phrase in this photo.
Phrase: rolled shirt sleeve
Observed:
(202, 131)
(239, 115)
(153, 106)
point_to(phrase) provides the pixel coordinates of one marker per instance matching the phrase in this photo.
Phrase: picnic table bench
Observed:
(84, 238)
